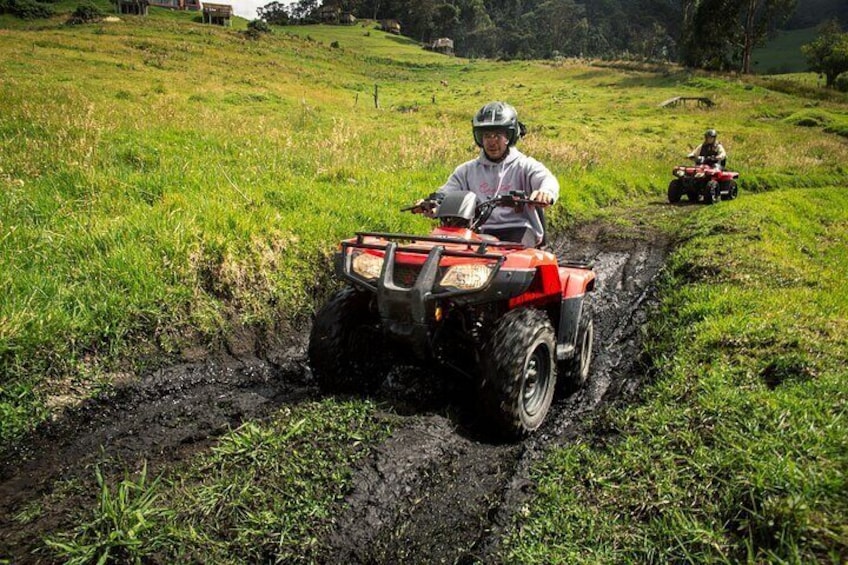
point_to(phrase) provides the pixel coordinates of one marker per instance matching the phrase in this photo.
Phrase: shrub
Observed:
(255, 29)
(260, 26)
(841, 83)
(26, 9)
(85, 13)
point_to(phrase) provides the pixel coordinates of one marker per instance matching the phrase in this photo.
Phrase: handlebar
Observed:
(514, 198)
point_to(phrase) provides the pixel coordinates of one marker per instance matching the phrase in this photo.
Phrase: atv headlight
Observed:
(467, 277)
(366, 265)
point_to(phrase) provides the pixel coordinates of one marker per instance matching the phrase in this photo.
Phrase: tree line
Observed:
(710, 34)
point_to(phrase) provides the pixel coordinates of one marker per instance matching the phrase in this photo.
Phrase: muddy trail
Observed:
(434, 492)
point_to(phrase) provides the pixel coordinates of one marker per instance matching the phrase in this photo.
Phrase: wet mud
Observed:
(437, 491)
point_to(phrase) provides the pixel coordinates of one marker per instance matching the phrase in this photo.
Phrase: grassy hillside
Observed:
(163, 183)
(738, 451)
(782, 54)
(156, 172)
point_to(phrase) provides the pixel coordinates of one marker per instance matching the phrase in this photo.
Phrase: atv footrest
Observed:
(563, 262)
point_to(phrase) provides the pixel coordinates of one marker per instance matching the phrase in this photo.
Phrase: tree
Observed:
(759, 18)
(303, 11)
(557, 27)
(710, 35)
(445, 20)
(828, 53)
(274, 13)
(722, 34)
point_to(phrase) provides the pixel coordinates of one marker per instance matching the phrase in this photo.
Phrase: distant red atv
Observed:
(703, 180)
(508, 317)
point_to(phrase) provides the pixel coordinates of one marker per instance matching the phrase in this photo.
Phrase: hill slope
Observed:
(169, 190)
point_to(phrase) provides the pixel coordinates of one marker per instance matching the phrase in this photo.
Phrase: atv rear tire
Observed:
(675, 191)
(519, 372)
(577, 368)
(341, 344)
(729, 190)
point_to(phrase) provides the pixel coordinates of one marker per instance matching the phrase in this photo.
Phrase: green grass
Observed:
(162, 180)
(738, 451)
(782, 54)
(261, 495)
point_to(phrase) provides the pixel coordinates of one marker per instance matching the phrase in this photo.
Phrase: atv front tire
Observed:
(711, 193)
(675, 191)
(519, 372)
(341, 344)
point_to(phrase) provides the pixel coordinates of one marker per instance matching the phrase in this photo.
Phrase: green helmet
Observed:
(711, 133)
(496, 115)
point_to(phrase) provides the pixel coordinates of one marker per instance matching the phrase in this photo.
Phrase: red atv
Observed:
(510, 318)
(703, 180)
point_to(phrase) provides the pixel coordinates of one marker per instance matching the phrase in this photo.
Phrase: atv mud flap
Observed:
(405, 311)
(569, 322)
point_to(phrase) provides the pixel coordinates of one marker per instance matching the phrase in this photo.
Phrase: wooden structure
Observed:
(176, 4)
(217, 14)
(132, 7)
(682, 100)
(443, 45)
(331, 13)
(391, 26)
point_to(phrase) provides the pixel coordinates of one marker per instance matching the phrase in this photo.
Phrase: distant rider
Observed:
(501, 168)
(710, 151)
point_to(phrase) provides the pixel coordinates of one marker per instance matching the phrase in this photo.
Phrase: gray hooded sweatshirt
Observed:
(516, 171)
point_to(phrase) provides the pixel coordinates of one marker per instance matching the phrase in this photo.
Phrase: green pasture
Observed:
(738, 451)
(782, 53)
(164, 182)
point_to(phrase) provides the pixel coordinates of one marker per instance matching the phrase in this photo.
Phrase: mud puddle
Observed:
(435, 492)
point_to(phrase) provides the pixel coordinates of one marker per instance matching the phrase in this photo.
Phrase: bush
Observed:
(260, 26)
(85, 13)
(255, 29)
(841, 83)
(26, 9)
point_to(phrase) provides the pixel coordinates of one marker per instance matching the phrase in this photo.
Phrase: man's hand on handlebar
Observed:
(542, 198)
(426, 206)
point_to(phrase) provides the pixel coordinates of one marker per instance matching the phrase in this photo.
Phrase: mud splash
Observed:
(434, 492)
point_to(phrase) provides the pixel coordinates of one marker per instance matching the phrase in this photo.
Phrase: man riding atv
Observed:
(706, 181)
(500, 169)
(501, 314)
(710, 151)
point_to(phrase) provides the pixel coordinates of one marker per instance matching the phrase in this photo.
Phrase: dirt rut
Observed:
(434, 492)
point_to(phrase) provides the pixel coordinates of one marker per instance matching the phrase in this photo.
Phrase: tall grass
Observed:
(738, 451)
(162, 181)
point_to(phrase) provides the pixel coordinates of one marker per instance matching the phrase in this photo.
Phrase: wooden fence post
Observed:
(376, 101)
